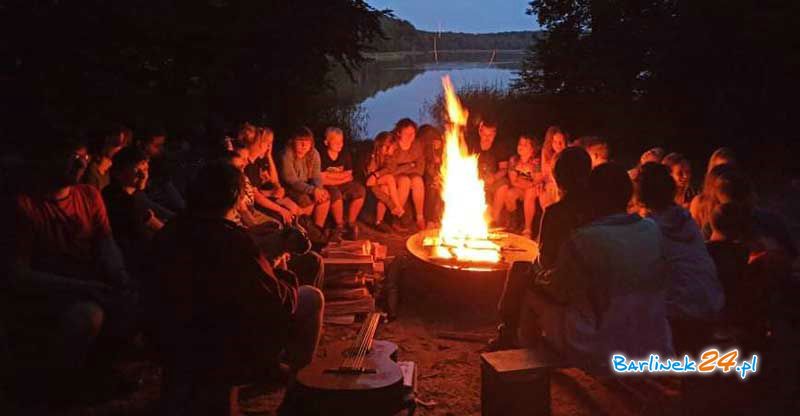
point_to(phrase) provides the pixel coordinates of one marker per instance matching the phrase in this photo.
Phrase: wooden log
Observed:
(349, 282)
(333, 265)
(346, 294)
(350, 307)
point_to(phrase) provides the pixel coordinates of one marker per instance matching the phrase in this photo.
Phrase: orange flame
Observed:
(465, 229)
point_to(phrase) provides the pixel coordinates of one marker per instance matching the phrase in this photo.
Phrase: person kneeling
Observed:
(226, 315)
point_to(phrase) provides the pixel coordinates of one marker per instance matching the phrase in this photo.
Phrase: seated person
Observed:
(681, 171)
(728, 248)
(571, 171)
(606, 292)
(655, 155)
(269, 234)
(337, 177)
(263, 187)
(695, 295)
(431, 138)
(492, 168)
(97, 174)
(555, 141)
(132, 219)
(242, 315)
(597, 148)
(525, 177)
(162, 189)
(301, 172)
(409, 162)
(66, 274)
(380, 180)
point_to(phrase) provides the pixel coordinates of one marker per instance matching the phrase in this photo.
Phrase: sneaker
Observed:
(506, 339)
(336, 234)
(383, 228)
(351, 232)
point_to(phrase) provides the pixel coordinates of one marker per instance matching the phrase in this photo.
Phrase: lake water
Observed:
(420, 87)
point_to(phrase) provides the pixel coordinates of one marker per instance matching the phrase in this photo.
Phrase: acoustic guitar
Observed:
(358, 378)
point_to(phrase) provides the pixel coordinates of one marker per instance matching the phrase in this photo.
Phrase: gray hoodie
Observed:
(694, 291)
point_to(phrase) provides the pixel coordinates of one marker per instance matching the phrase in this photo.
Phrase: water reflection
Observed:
(389, 91)
(410, 99)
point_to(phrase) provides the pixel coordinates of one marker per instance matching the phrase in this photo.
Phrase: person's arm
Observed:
(549, 239)
(262, 201)
(565, 281)
(289, 175)
(316, 169)
(107, 251)
(22, 277)
(419, 159)
(502, 170)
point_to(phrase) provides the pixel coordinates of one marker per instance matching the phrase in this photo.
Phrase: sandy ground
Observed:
(449, 375)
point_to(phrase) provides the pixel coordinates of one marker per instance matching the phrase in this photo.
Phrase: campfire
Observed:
(464, 240)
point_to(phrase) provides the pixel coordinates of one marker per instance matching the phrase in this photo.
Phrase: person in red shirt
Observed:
(66, 275)
(225, 315)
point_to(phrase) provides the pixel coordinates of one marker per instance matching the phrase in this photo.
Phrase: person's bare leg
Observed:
(511, 200)
(391, 188)
(337, 211)
(530, 210)
(287, 203)
(321, 213)
(403, 190)
(418, 197)
(354, 209)
(380, 212)
(499, 199)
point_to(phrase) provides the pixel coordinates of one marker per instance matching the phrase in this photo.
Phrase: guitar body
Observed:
(321, 390)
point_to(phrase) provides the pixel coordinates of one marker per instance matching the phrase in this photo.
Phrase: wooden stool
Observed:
(517, 382)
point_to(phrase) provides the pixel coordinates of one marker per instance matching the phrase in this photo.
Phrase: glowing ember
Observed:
(464, 235)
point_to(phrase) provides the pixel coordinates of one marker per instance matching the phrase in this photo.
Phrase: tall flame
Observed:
(464, 222)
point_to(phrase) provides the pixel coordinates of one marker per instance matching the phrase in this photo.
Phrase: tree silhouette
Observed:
(173, 62)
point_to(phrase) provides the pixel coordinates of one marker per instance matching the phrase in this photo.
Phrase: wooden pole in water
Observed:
(491, 60)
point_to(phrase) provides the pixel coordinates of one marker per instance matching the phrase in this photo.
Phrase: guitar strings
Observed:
(373, 326)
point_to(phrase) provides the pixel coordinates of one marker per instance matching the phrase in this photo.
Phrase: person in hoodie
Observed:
(606, 292)
(695, 294)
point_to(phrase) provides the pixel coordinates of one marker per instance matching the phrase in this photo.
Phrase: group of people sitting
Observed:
(634, 262)
(220, 273)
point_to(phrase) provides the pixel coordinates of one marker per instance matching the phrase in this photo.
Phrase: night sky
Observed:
(471, 16)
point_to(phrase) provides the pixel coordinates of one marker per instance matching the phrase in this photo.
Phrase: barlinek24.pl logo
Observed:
(710, 361)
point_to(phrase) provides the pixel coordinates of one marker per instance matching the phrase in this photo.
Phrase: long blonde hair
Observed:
(548, 154)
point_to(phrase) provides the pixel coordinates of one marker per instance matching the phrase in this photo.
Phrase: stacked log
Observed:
(352, 268)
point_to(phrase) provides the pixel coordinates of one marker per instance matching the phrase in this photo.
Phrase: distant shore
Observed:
(404, 55)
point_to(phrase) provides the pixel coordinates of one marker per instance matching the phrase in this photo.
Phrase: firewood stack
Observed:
(352, 271)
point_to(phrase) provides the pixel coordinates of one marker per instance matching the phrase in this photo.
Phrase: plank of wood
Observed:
(347, 307)
(346, 294)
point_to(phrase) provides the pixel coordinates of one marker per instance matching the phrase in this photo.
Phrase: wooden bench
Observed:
(517, 382)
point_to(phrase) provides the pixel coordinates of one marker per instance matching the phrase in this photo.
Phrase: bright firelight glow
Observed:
(464, 234)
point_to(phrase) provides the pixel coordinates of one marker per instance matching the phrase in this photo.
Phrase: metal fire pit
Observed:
(459, 287)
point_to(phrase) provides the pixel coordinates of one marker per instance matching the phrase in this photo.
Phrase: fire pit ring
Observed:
(513, 247)
(450, 289)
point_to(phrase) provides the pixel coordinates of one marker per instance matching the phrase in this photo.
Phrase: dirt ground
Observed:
(449, 374)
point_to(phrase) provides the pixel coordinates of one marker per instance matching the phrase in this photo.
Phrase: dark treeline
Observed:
(187, 66)
(403, 36)
(690, 74)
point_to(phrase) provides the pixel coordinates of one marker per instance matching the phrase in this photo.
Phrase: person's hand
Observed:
(280, 192)
(371, 181)
(286, 215)
(320, 195)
